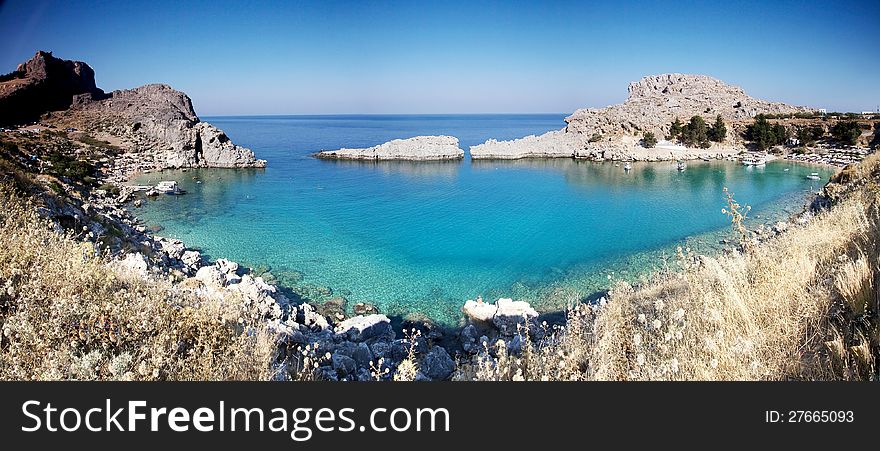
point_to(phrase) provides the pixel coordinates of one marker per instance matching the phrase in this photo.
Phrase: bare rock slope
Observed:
(162, 121)
(157, 121)
(416, 148)
(653, 103)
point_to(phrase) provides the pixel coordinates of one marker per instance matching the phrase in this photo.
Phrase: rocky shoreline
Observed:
(418, 148)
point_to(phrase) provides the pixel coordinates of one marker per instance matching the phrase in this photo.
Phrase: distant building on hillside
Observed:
(823, 111)
(867, 113)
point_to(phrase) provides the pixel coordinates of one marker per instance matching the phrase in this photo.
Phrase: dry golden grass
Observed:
(803, 305)
(65, 313)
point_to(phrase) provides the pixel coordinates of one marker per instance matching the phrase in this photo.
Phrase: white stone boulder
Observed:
(361, 328)
(511, 313)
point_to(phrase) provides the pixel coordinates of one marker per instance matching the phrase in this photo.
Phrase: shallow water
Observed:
(422, 237)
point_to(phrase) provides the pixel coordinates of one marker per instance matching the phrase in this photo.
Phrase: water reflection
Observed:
(414, 169)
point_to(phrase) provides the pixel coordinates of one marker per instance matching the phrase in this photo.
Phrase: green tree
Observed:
(675, 130)
(695, 133)
(809, 135)
(847, 132)
(780, 133)
(718, 131)
(763, 134)
(649, 140)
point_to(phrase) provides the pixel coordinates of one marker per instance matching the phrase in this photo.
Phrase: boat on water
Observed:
(681, 166)
(705, 157)
(754, 160)
(627, 167)
(813, 176)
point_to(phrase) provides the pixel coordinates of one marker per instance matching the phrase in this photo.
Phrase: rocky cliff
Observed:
(653, 103)
(416, 148)
(162, 121)
(44, 83)
(155, 121)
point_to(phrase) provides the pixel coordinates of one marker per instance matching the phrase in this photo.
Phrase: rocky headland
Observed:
(418, 148)
(654, 102)
(154, 123)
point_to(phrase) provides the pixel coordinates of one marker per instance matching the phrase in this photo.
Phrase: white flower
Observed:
(673, 365)
(678, 315)
(713, 363)
(658, 304)
(657, 324)
(637, 339)
(640, 359)
(642, 318)
(667, 336)
(678, 335)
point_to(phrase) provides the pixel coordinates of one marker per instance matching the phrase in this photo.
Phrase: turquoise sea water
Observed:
(423, 237)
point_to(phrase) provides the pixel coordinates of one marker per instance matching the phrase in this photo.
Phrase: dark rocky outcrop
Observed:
(44, 83)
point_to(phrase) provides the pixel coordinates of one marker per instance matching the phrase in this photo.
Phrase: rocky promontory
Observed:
(162, 122)
(654, 102)
(154, 122)
(417, 148)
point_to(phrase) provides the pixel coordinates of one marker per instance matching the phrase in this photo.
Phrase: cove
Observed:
(420, 238)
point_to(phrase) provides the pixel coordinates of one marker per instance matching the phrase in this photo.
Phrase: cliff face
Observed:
(655, 101)
(162, 121)
(157, 121)
(44, 83)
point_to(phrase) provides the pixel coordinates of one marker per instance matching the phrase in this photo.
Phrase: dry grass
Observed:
(803, 305)
(65, 313)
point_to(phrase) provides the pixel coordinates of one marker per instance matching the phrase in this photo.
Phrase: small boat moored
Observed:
(627, 167)
(754, 160)
(813, 176)
(681, 166)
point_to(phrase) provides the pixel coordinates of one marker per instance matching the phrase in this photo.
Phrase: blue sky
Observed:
(326, 57)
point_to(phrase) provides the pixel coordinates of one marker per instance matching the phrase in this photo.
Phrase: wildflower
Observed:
(713, 363)
(640, 359)
(637, 339)
(678, 315)
(658, 305)
(678, 335)
(667, 336)
(673, 365)
(657, 324)
(642, 318)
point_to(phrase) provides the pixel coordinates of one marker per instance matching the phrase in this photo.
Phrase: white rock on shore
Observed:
(420, 148)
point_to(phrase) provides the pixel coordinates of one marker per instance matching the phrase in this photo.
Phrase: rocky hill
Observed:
(44, 83)
(162, 121)
(653, 103)
(416, 148)
(155, 122)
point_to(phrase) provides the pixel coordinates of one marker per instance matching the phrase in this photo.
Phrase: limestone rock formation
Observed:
(44, 83)
(653, 103)
(416, 148)
(162, 120)
(155, 119)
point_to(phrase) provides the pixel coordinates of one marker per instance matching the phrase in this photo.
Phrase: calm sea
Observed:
(422, 237)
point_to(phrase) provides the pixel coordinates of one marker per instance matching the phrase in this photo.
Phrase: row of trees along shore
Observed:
(763, 134)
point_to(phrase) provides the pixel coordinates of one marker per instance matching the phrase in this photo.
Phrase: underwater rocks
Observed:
(418, 148)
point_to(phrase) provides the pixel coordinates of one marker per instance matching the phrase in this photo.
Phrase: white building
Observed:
(823, 111)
